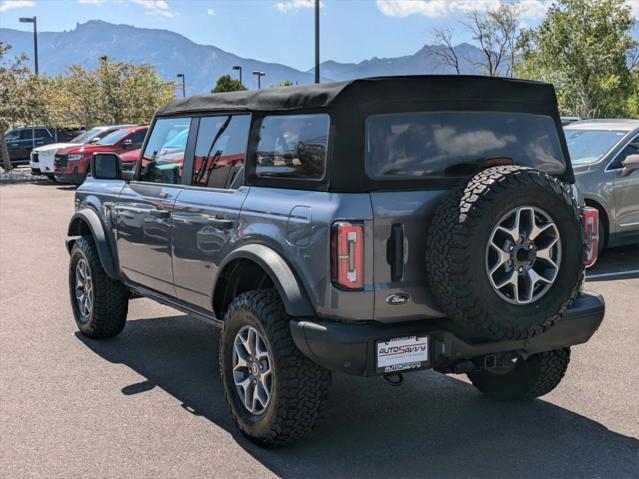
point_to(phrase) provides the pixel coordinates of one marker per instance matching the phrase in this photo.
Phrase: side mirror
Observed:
(126, 143)
(630, 164)
(106, 166)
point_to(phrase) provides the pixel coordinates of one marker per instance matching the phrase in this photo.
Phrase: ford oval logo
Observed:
(396, 299)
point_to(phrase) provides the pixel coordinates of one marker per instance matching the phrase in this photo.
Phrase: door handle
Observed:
(160, 213)
(220, 222)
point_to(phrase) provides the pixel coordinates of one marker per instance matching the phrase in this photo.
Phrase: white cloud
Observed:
(211, 12)
(443, 8)
(155, 7)
(286, 6)
(634, 5)
(92, 2)
(11, 4)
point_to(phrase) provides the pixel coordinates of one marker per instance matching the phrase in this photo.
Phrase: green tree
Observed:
(226, 83)
(283, 84)
(18, 96)
(583, 48)
(116, 92)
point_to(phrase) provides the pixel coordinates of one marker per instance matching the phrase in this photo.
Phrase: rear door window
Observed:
(220, 151)
(163, 156)
(454, 144)
(293, 146)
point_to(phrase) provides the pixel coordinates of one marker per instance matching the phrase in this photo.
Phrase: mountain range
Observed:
(171, 53)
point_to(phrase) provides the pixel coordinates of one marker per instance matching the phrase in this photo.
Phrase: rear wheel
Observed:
(99, 303)
(276, 395)
(528, 379)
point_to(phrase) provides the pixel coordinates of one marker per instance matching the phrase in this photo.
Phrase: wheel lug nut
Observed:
(531, 246)
(521, 269)
(511, 247)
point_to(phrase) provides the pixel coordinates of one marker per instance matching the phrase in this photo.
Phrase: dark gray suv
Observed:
(372, 227)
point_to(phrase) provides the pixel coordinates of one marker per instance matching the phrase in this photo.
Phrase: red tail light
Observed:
(347, 253)
(591, 234)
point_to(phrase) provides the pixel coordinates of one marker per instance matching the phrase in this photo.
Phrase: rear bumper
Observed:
(350, 347)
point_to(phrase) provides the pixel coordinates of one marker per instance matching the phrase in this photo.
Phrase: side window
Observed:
(293, 146)
(26, 134)
(220, 150)
(631, 148)
(137, 138)
(41, 133)
(163, 156)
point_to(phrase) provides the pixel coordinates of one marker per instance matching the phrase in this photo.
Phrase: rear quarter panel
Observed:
(297, 224)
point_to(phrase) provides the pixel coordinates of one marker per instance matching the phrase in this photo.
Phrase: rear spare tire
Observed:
(504, 255)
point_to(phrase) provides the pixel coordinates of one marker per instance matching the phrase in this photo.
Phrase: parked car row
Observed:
(69, 162)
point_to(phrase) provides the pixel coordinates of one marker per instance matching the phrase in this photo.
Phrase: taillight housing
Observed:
(347, 255)
(591, 234)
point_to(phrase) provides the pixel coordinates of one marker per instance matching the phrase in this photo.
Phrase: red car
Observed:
(71, 165)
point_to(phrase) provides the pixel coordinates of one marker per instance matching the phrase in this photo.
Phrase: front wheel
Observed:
(99, 303)
(275, 394)
(529, 378)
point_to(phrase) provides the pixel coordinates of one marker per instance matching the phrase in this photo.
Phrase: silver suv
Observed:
(373, 228)
(605, 159)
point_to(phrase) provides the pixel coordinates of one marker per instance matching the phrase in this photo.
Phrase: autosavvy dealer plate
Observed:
(402, 354)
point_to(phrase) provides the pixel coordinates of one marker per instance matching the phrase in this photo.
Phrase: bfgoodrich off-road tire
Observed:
(456, 252)
(107, 313)
(299, 387)
(529, 379)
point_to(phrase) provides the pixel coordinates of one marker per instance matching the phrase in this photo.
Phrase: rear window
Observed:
(453, 144)
(293, 146)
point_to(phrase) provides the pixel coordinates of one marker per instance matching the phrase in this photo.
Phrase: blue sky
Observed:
(277, 30)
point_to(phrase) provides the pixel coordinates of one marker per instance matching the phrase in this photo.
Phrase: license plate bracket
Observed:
(407, 353)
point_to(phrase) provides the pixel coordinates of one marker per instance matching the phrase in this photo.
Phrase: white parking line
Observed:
(611, 275)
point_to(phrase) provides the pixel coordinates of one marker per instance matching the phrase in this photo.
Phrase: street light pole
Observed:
(317, 41)
(181, 75)
(259, 76)
(33, 20)
(238, 67)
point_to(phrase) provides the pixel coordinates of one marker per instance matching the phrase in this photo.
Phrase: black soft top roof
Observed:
(436, 88)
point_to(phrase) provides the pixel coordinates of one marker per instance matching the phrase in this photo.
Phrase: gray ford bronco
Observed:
(372, 227)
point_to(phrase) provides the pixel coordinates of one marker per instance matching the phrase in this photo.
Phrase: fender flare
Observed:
(296, 302)
(91, 219)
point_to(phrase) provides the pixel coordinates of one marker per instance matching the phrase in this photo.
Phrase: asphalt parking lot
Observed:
(149, 403)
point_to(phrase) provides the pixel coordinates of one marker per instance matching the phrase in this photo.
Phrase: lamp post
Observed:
(317, 41)
(239, 68)
(181, 75)
(33, 20)
(259, 76)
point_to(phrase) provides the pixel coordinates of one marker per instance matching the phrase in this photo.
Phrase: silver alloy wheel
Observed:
(83, 289)
(252, 370)
(523, 255)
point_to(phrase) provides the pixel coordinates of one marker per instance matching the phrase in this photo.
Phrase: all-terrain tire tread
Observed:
(447, 256)
(550, 369)
(303, 385)
(111, 297)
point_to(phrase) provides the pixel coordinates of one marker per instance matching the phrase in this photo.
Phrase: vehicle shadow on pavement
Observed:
(433, 425)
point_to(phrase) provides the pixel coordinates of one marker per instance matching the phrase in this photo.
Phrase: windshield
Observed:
(589, 146)
(448, 144)
(114, 137)
(86, 136)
